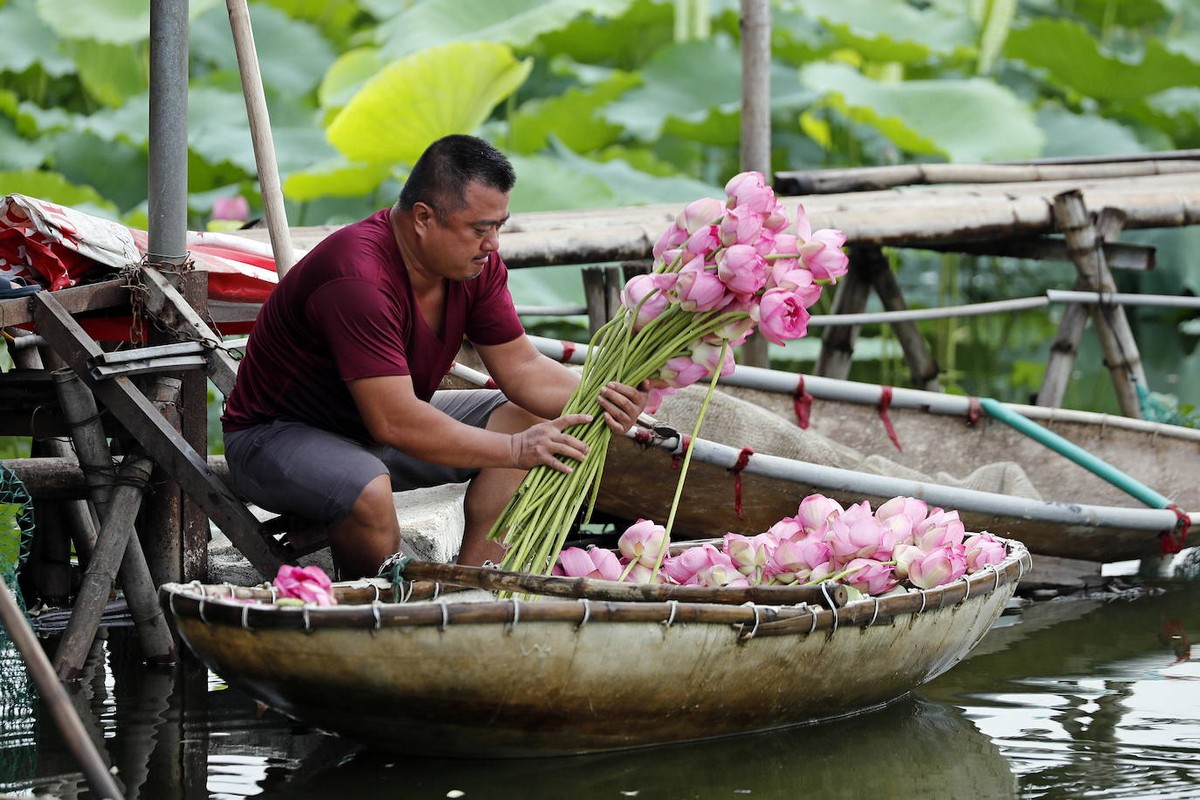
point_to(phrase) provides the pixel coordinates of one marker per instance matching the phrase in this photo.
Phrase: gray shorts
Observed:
(293, 468)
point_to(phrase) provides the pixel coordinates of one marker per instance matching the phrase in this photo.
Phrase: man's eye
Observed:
(481, 231)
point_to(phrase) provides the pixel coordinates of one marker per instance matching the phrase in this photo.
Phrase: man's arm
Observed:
(395, 416)
(543, 386)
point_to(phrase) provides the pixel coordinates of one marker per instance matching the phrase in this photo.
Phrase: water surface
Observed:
(1062, 699)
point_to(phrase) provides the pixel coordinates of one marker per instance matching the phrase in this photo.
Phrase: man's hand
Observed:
(623, 404)
(544, 442)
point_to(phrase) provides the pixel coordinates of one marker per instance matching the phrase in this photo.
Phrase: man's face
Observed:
(458, 246)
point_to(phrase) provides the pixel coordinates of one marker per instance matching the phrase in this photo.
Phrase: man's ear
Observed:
(423, 216)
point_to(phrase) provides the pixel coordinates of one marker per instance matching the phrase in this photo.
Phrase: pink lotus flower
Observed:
(938, 566)
(903, 555)
(735, 333)
(749, 554)
(698, 288)
(815, 512)
(672, 238)
(655, 397)
(722, 574)
(741, 227)
(309, 584)
(741, 269)
(938, 529)
(983, 550)
(786, 529)
(595, 562)
(870, 576)
(857, 534)
(231, 208)
(794, 560)
(699, 214)
(683, 567)
(902, 515)
(643, 541)
(703, 242)
(749, 189)
(682, 371)
(710, 357)
(782, 316)
(650, 291)
(823, 254)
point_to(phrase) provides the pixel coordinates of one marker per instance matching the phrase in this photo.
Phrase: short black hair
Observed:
(441, 175)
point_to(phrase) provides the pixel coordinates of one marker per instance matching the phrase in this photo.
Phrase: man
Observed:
(335, 404)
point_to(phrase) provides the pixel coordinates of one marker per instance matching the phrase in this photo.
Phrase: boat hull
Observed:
(564, 676)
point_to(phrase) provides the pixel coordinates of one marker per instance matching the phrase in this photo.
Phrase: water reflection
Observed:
(1064, 700)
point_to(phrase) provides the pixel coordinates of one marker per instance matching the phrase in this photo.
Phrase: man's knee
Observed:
(511, 418)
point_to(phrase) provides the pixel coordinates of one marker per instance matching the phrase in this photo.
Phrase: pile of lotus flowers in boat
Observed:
(904, 544)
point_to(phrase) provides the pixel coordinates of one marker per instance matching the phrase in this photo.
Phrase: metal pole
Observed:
(168, 185)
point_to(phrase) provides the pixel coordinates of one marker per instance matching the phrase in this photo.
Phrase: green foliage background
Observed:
(621, 102)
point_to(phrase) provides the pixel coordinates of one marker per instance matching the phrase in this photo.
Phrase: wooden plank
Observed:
(164, 444)
(77, 299)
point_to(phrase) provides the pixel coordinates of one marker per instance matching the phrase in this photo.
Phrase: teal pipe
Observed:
(1074, 452)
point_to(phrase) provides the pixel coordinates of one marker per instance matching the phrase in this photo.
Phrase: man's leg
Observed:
(490, 490)
(369, 534)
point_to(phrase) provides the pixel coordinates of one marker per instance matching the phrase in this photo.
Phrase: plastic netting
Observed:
(1157, 407)
(18, 697)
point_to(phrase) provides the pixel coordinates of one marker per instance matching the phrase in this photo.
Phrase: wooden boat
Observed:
(479, 677)
(1052, 504)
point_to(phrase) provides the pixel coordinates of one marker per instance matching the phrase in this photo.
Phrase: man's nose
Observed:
(491, 242)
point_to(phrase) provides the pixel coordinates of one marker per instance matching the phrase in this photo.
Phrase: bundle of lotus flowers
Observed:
(723, 269)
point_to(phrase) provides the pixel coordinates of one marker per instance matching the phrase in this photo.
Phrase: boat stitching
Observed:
(587, 612)
(742, 636)
(670, 620)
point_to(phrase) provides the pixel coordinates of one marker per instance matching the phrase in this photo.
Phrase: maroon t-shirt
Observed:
(346, 311)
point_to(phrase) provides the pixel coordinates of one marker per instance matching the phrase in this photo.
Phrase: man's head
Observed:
(442, 173)
(453, 206)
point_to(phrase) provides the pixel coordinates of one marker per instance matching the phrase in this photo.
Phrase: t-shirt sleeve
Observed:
(493, 318)
(363, 326)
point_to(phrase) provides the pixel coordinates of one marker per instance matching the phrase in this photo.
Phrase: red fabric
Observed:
(568, 350)
(885, 402)
(345, 312)
(802, 401)
(686, 444)
(1168, 543)
(974, 411)
(742, 460)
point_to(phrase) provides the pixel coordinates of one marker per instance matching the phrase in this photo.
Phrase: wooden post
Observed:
(111, 545)
(922, 367)
(837, 344)
(159, 439)
(1121, 354)
(754, 151)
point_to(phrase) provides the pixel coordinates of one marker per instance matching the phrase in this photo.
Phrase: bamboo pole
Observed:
(1116, 337)
(99, 779)
(837, 344)
(922, 367)
(260, 135)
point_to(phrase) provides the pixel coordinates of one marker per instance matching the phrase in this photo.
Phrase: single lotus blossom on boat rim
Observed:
(983, 550)
(643, 541)
(935, 567)
(309, 584)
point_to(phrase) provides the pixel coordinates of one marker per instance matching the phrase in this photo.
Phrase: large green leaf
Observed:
(964, 120)
(1070, 134)
(111, 73)
(571, 117)
(697, 87)
(110, 21)
(624, 42)
(890, 31)
(119, 169)
(53, 187)
(292, 54)
(413, 101)
(1073, 58)
(29, 41)
(336, 177)
(1176, 111)
(16, 152)
(517, 22)
(347, 75)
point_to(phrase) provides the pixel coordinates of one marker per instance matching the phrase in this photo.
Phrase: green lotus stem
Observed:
(687, 459)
